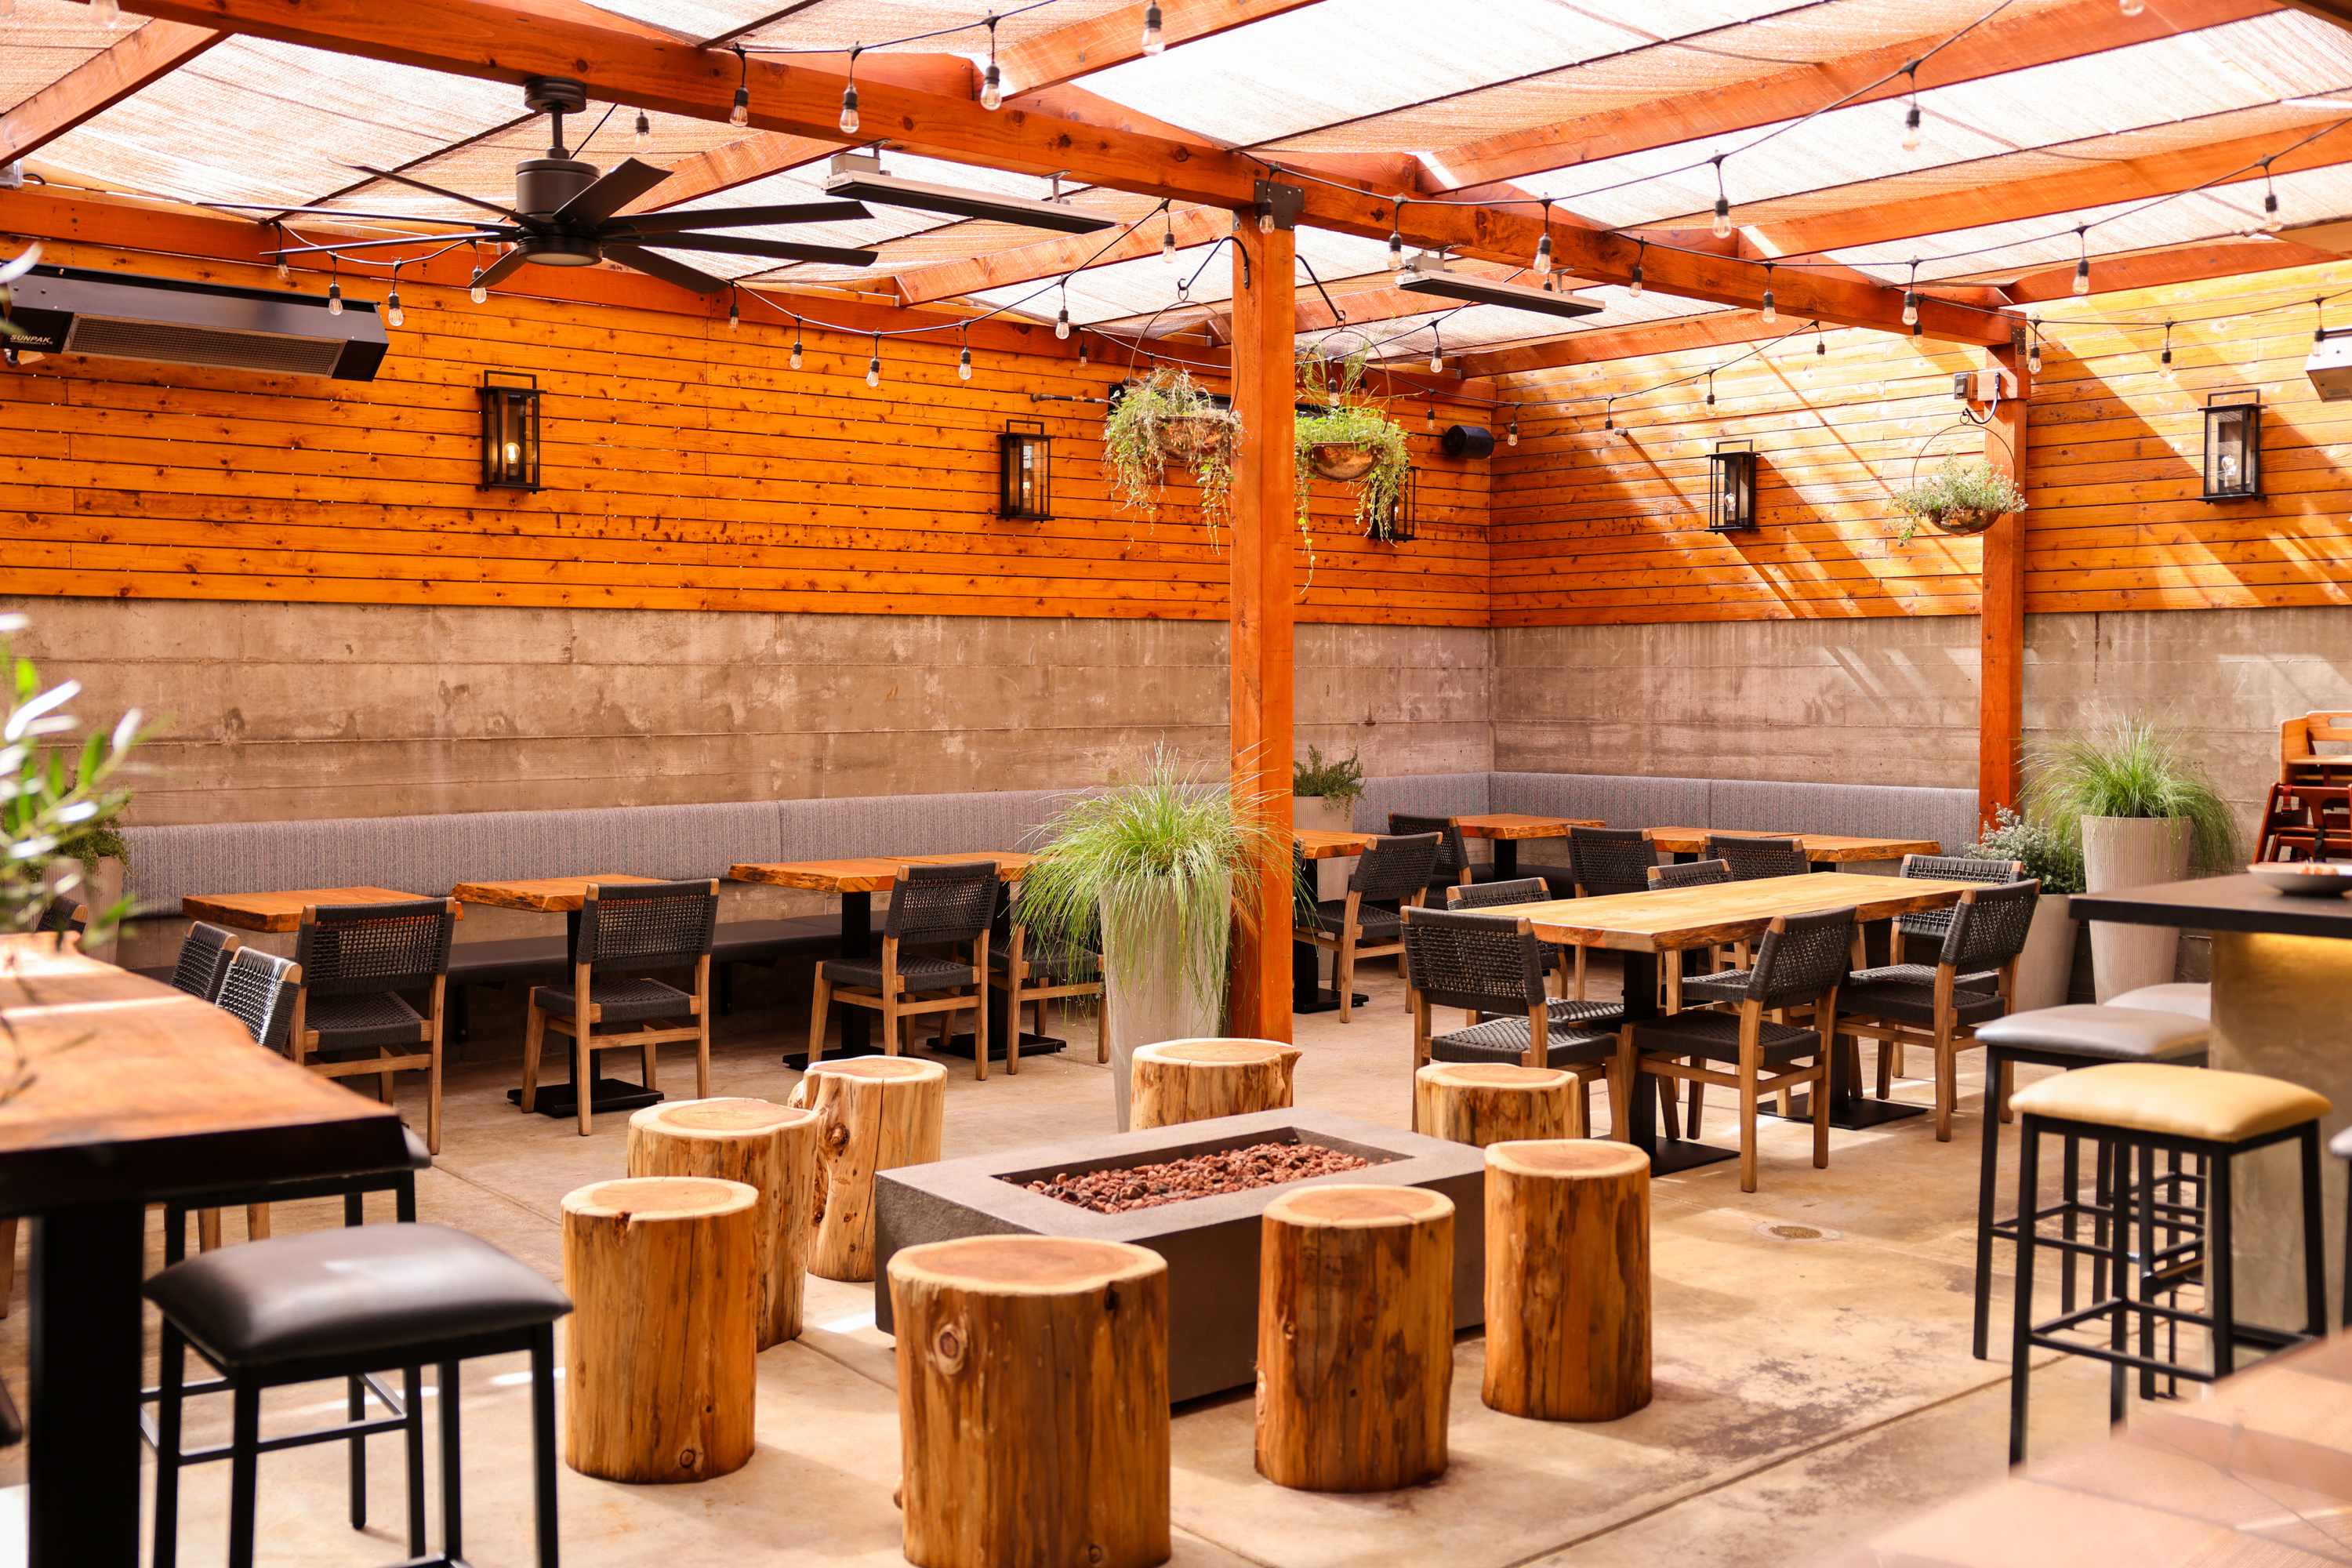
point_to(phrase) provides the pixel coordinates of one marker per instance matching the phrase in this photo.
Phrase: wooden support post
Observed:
(659, 1376)
(1194, 1081)
(770, 1148)
(876, 1113)
(1567, 1280)
(1480, 1103)
(1355, 1337)
(2001, 653)
(1032, 1402)
(1264, 518)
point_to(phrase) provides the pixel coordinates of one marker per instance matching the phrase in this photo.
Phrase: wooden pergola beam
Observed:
(1709, 330)
(105, 79)
(1116, 37)
(1052, 257)
(2156, 268)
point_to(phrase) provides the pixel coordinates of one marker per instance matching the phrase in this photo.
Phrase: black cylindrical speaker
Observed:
(1467, 441)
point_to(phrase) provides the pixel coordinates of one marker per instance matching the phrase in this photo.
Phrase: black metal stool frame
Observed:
(2219, 1320)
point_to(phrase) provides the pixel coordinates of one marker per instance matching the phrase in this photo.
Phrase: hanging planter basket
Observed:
(1344, 461)
(1964, 519)
(1185, 436)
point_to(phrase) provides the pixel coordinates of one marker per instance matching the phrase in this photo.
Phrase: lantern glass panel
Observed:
(509, 436)
(1025, 475)
(2232, 451)
(1731, 490)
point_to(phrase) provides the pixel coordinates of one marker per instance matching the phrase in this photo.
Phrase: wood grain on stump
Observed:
(1193, 1080)
(1355, 1337)
(665, 1287)
(769, 1147)
(874, 1113)
(1567, 1280)
(1033, 1402)
(1480, 1103)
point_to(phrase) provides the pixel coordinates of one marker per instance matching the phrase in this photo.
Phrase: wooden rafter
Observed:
(105, 79)
(1052, 257)
(1716, 327)
(2156, 268)
(1116, 37)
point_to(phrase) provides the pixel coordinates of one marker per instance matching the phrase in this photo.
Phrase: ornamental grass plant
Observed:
(2130, 768)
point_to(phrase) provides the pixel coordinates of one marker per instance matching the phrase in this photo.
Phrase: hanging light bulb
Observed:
(644, 140)
(2033, 353)
(2132, 7)
(874, 366)
(335, 298)
(734, 314)
(1610, 422)
(1722, 202)
(108, 12)
(849, 95)
(1543, 246)
(1772, 312)
(2272, 223)
(1634, 288)
(796, 343)
(963, 366)
(1062, 323)
(742, 113)
(1437, 353)
(1710, 389)
(1082, 350)
(992, 85)
(7, 10)
(284, 271)
(1152, 42)
(1429, 420)
(1168, 244)
(393, 315)
(1511, 436)
(2164, 364)
(1911, 136)
(1910, 307)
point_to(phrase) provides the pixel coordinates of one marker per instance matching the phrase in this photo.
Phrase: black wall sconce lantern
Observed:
(1397, 526)
(1731, 488)
(2233, 446)
(510, 432)
(1024, 472)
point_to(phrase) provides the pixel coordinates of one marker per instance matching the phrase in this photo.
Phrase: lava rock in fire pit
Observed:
(1197, 1176)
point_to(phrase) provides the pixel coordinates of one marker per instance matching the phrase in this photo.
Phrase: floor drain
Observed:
(1786, 1232)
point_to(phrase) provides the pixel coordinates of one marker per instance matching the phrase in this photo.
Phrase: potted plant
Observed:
(1168, 418)
(2144, 814)
(1145, 871)
(1324, 795)
(1959, 498)
(2053, 858)
(1351, 441)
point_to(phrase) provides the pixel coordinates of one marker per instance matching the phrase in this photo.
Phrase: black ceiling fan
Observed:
(564, 214)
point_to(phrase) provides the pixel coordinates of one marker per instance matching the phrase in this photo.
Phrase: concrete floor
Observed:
(1813, 1368)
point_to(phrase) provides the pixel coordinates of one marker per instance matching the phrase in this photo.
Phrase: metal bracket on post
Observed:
(1278, 206)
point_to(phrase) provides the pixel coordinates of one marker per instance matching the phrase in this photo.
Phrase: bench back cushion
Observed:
(1618, 801)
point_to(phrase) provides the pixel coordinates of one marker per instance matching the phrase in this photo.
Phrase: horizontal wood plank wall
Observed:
(1594, 526)
(685, 466)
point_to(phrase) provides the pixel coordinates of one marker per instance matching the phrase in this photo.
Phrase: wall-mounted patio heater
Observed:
(2233, 446)
(1024, 472)
(1731, 488)
(510, 431)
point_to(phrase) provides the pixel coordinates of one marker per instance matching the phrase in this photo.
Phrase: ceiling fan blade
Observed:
(628, 180)
(747, 217)
(507, 213)
(657, 266)
(378, 244)
(496, 271)
(782, 249)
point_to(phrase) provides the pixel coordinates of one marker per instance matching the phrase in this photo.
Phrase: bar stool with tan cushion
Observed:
(2142, 1109)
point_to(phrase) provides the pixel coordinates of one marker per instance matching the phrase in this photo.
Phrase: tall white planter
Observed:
(2046, 968)
(2132, 852)
(1146, 996)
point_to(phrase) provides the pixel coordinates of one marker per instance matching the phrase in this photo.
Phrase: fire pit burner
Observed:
(1117, 1190)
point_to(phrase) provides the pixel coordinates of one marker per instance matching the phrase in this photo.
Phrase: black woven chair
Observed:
(1897, 1005)
(1602, 862)
(204, 960)
(64, 915)
(350, 1020)
(626, 929)
(1465, 896)
(1365, 924)
(1454, 866)
(1929, 925)
(264, 992)
(941, 908)
(1751, 858)
(1492, 964)
(1799, 962)
(1694, 874)
(1034, 972)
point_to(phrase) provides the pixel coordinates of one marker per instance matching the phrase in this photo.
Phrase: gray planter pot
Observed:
(2046, 968)
(1144, 993)
(2132, 852)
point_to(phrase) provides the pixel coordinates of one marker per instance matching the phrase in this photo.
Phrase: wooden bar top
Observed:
(871, 874)
(135, 1090)
(283, 911)
(1517, 824)
(1822, 849)
(548, 895)
(1327, 844)
(1725, 912)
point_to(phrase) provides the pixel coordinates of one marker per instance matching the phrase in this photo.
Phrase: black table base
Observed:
(1307, 992)
(1850, 1109)
(1674, 1153)
(561, 1100)
(84, 1396)
(1031, 1046)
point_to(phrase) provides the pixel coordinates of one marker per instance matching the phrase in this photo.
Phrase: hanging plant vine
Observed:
(1168, 418)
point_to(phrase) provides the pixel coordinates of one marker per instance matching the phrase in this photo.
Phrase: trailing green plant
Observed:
(1169, 416)
(2133, 767)
(1956, 486)
(1337, 779)
(1156, 844)
(1350, 419)
(2053, 855)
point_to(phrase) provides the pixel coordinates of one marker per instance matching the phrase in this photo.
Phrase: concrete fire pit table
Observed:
(1210, 1243)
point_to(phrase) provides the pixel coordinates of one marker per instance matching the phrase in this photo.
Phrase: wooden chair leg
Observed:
(1886, 1051)
(1947, 1080)
(1345, 973)
(1579, 972)
(208, 1230)
(1821, 1113)
(980, 1013)
(702, 1029)
(8, 1263)
(646, 1064)
(584, 1071)
(892, 1021)
(1698, 1097)
(1624, 1072)
(1669, 1107)
(1747, 1098)
(1581, 1123)
(534, 1031)
(823, 998)
(257, 1222)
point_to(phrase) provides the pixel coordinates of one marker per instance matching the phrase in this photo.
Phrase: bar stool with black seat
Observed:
(350, 1020)
(1365, 924)
(1454, 866)
(343, 1304)
(627, 928)
(1799, 962)
(1490, 965)
(1034, 971)
(1751, 858)
(2076, 1035)
(941, 908)
(2143, 1110)
(1606, 861)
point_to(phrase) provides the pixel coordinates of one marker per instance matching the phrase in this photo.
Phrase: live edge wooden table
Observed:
(1639, 926)
(138, 1094)
(282, 911)
(1507, 828)
(1308, 992)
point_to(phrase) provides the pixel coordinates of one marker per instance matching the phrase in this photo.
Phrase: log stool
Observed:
(662, 1272)
(770, 1148)
(1032, 1402)
(1567, 1280)
(1480, 1103)
(1355, 1337)
(874, 1113)
(1194, 1081)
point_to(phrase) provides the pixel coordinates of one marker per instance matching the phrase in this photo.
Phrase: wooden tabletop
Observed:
(1822, 849)
(143, 1093)
(1326, 844)
(1725, 912)
(872, 873)
(282, 911)
(548, 895)
(1517, 824)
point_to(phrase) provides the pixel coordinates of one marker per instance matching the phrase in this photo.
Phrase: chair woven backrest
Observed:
(1482, 962)
(1394, 868)
(1951, 868)
(1802, 960)
(260, 988)
(1452, 854)
(1989, 929)
(204, 953)
(351, 949)
(1606, 861)
(1690, 874)
(942, 903)
(1750, 859)
(63, 914)
(647, 925)
(1486, 895)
